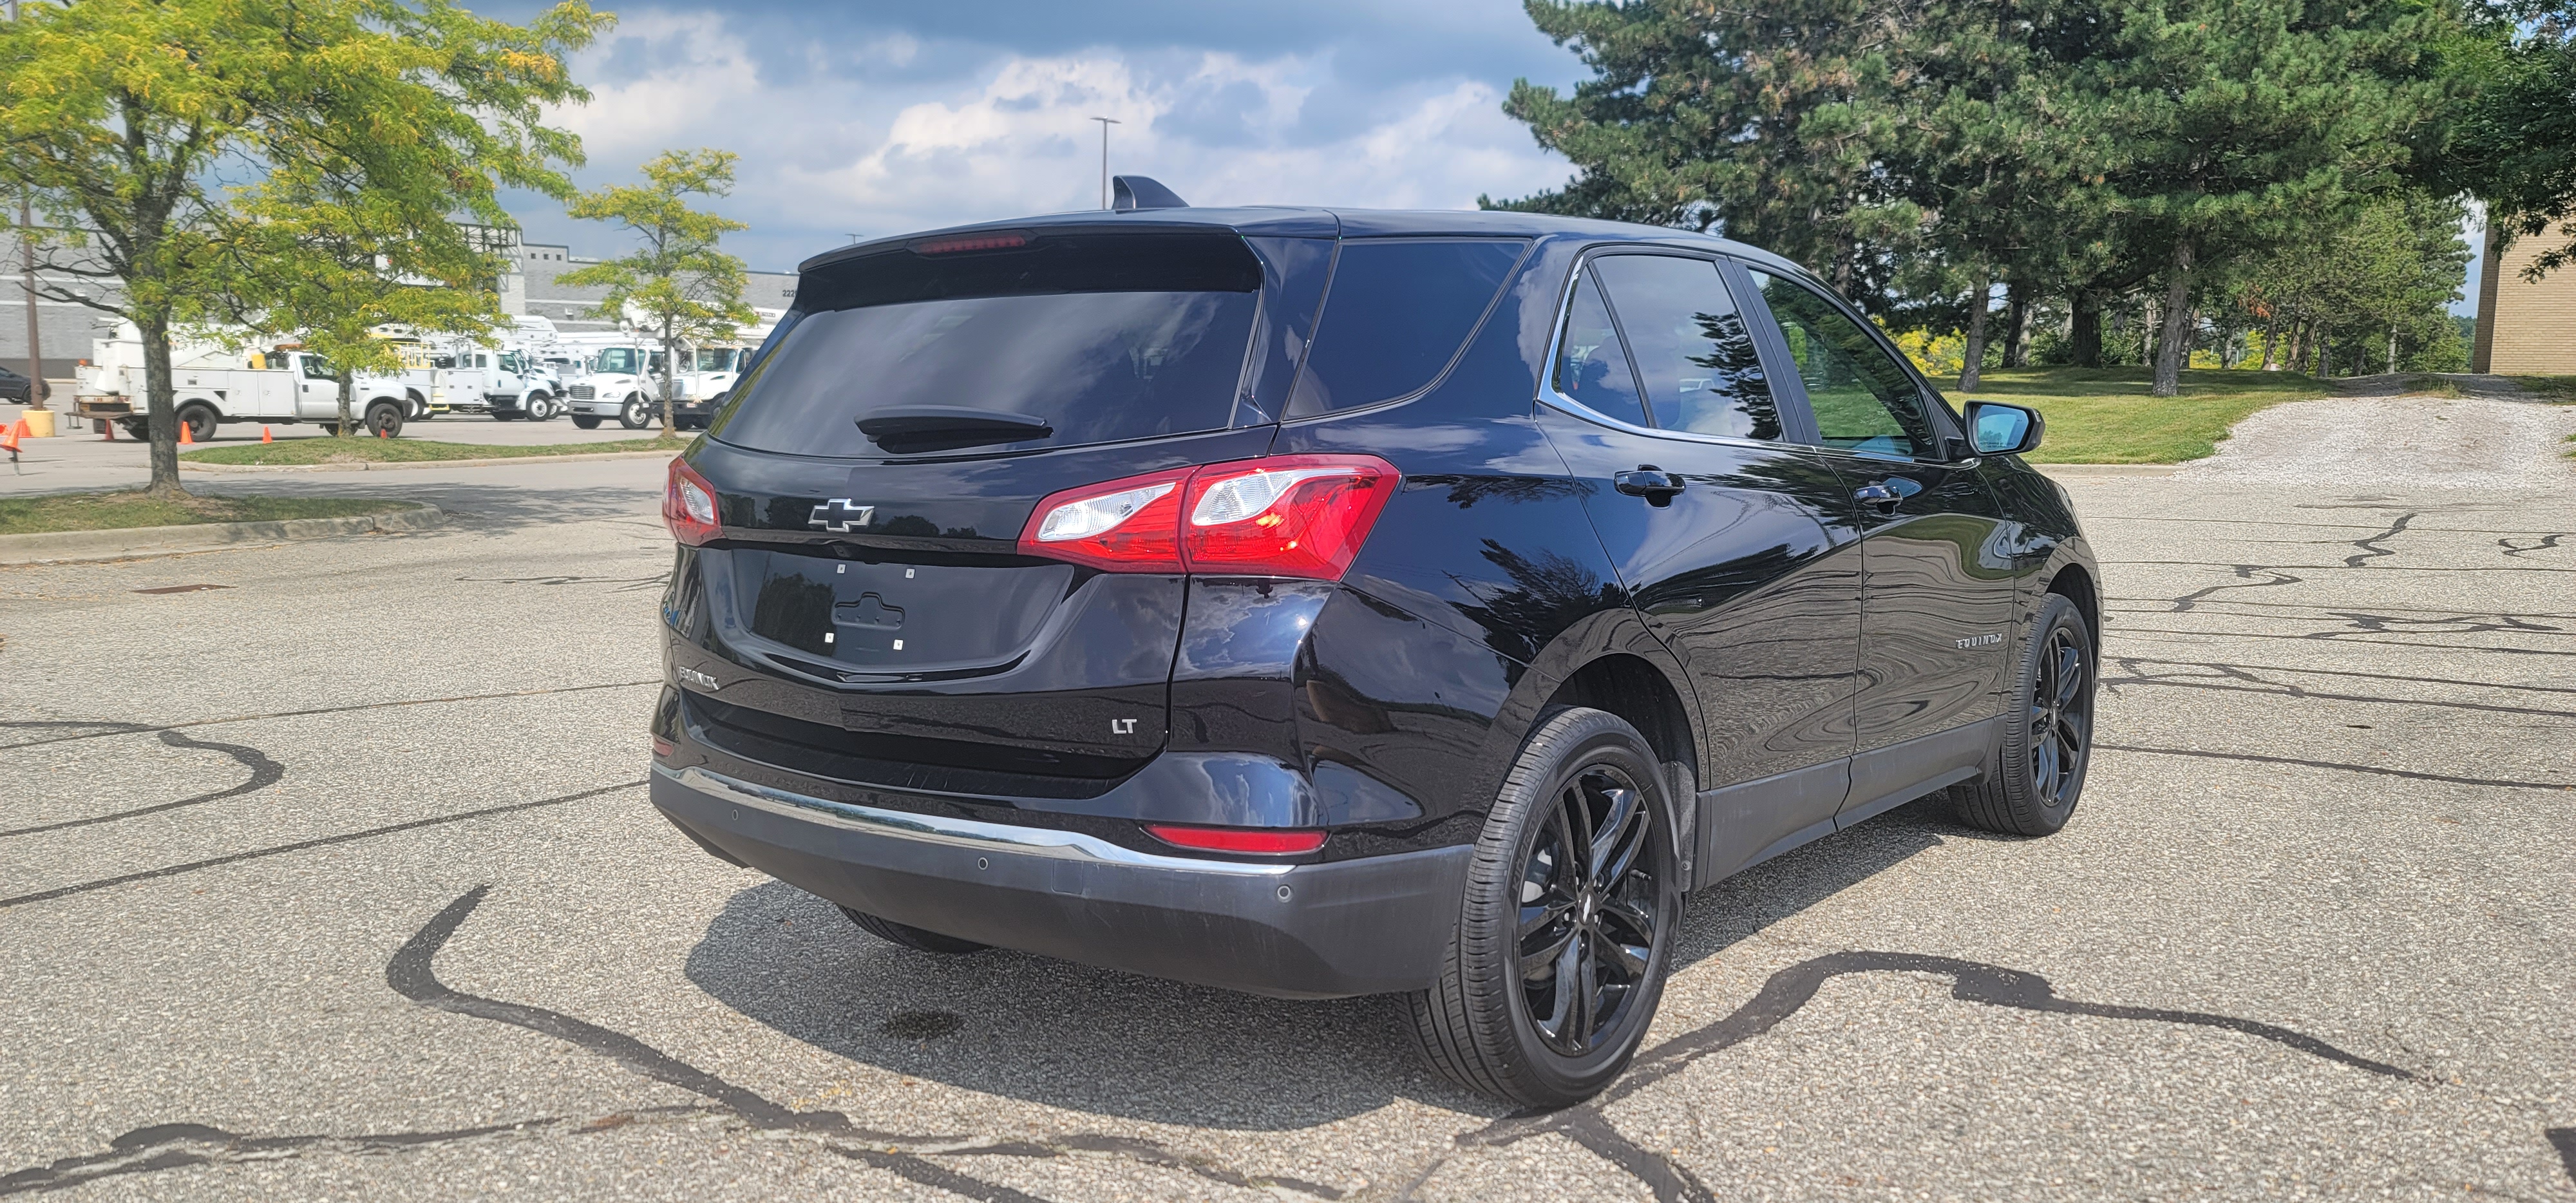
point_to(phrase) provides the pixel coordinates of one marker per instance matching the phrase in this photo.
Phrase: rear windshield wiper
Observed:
(901, 428)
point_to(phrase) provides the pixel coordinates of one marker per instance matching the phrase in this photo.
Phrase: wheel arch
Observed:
(1630, 686)
(2075, 583)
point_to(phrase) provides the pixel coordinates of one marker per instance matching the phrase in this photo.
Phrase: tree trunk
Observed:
(2017, 296)
(2174, 340)
(2085, 328)
(670, 379)
(36, 387)
(1974, 364)
(160, 407)
(348, 379)
(2271, 330)
(2392, 350)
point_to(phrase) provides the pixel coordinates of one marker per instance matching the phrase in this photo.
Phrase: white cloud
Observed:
(828, 155)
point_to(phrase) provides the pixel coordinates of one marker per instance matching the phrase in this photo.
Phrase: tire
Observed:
(634, 415)
(139, 429)
(2037, 774)
(385, 418)
(1479, 1025)
(200, 422)
(541, 408)
(586, 421)
(911, 937)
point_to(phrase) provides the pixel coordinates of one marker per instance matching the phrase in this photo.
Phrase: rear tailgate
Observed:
(874, 600)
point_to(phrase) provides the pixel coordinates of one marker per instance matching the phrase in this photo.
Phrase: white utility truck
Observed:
(212, 386)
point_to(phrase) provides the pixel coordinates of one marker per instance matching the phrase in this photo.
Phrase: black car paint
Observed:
(1819, 662)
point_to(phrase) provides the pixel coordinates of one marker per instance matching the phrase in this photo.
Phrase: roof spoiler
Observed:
(1134, 192)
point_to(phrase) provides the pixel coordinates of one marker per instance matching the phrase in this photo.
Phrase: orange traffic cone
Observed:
(380, 432)
(184, 439)
(263, 435)
(9, 442)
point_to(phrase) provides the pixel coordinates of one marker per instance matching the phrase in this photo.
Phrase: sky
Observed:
(874, 119)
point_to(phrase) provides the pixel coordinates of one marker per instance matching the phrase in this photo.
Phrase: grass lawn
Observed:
(123, 511)
(349, 451)
(2111, 415)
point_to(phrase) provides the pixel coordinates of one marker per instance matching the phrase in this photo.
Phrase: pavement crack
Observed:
(411, 973)
(2370, 548)
(1789, 991)
(303, 845)
(2244, 573)
(2514, 551)
(2337, 766)
(264, 772)
(125, 728)
(158, 1147)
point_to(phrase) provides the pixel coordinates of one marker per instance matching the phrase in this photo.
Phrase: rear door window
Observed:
(1398, 313)
(1107, 337)
(1695, 358)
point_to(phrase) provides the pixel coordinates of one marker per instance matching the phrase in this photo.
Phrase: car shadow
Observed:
(1116, 1044)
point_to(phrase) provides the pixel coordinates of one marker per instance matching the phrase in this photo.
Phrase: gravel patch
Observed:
(2378, 443)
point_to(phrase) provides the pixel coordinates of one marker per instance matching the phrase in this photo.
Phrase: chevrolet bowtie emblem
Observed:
(838, 515)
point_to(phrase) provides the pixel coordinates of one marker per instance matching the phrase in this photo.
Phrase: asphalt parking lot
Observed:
(326, 871)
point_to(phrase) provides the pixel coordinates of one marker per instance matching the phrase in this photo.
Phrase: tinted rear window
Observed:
(1106, 336)
(1398, 311)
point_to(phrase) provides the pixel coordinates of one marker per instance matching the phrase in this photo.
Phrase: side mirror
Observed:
(1998, 429)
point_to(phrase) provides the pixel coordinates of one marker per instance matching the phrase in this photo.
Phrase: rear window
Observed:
(1398, 311)
(1105, 336)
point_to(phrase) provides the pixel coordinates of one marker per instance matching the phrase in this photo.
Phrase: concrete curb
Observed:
(71, 545)
(365, 466)
(2109, 469)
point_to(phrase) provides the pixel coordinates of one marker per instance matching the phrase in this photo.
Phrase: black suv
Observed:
(1322, 603)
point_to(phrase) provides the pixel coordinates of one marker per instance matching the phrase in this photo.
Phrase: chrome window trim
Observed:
(1550, 397)
(970, 834)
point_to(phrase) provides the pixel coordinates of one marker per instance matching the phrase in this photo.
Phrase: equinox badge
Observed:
(838, 515)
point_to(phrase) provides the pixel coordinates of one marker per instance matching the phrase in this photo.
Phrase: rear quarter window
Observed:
(1398, 312)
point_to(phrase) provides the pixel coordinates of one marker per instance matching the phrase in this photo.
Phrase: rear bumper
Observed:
(1367, 926)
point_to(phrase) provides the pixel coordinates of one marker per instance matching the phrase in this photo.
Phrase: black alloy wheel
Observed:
(2061, 719)
(1587, 925)
(1563, 940)
(385, 419)
(2036, 774)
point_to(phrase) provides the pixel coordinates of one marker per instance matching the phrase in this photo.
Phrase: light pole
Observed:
(1105, 123)
(27, 263)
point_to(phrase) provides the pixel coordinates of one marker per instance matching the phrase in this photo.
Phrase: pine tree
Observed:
(2246, 124)
(1772, 123)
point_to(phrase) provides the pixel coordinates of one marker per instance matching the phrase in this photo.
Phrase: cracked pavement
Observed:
(339, 881)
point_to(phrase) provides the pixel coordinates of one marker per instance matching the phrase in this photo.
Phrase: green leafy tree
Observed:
(2514, 146)
(1772, 122)
(121, 117)
(2245, 124)
(354, 228)
(686, 289)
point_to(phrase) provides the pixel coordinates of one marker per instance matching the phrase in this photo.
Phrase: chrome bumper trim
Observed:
(954, 833)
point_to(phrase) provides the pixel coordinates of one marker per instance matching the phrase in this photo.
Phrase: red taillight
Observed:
(1129, 525)
(1289, 515)
(689, 505)
(1261, 841)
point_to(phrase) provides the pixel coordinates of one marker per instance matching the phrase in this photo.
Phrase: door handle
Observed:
(1654, 484)
(1883, 496)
